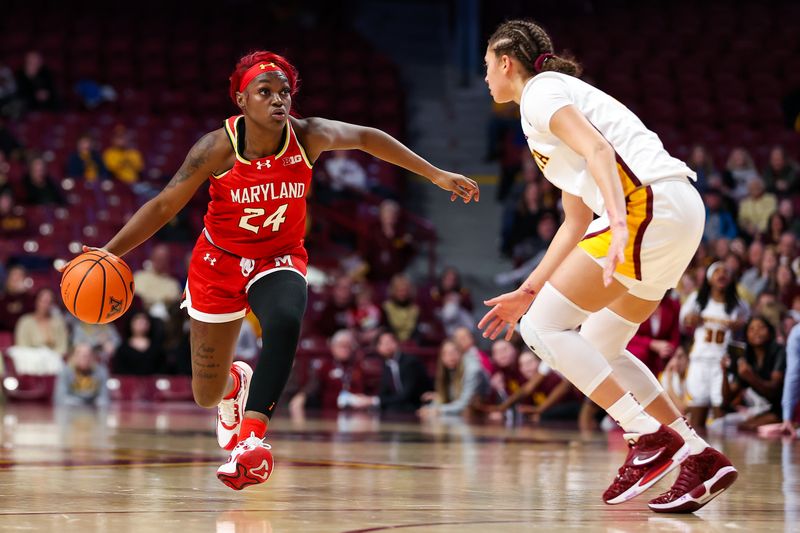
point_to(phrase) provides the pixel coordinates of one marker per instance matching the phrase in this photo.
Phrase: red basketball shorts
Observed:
(216, 290)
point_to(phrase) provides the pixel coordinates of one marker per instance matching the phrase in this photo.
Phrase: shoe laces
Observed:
(690, 471)
(229, 412)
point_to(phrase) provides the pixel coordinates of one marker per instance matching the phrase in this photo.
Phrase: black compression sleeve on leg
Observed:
(279, 301)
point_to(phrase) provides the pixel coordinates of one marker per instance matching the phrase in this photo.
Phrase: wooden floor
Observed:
(151, 468)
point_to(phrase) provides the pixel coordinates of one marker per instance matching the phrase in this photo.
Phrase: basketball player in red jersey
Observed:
(250, 253)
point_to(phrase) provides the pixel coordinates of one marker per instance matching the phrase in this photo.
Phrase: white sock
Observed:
(690, 436)
(631, 416)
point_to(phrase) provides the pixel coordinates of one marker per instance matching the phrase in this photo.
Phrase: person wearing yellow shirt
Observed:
(123, 161)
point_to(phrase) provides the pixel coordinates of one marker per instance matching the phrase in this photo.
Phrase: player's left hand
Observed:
(461, 186)
(505, 313)
(616, 251)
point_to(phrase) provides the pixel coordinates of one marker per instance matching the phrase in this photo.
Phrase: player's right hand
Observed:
(60, 265)
(461, 186)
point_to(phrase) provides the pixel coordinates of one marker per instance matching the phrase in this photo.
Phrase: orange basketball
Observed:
(97, 287)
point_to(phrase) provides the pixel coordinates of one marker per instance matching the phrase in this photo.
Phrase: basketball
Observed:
(97, 287)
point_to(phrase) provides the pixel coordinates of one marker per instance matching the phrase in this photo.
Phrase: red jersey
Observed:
(258, 208)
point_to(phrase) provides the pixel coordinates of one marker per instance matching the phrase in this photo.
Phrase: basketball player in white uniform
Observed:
(607, 275)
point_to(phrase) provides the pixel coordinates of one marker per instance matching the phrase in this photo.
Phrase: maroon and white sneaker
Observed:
(651, 457)
(703, 477)
(229, 412)
(250, 463)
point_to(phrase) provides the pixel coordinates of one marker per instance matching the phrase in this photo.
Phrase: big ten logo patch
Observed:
(292, 160)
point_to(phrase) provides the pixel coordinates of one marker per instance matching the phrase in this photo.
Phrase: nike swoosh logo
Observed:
(638, 461)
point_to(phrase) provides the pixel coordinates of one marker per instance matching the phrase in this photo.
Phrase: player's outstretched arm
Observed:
(208, 155)
(322, 135)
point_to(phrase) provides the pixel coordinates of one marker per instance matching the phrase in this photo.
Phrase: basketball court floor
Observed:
(151, 468)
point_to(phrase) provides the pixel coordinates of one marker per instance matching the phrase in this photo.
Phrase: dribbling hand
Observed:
(60, 264)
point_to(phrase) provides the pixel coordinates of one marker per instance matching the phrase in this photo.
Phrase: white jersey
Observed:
(714, 333)
(640, 153)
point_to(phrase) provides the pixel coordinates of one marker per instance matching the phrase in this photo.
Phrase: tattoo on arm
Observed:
(197, 157)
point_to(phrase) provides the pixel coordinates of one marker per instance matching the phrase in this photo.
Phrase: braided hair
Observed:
(530, 45)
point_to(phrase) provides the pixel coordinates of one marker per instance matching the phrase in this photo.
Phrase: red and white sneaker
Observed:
(250, 463)
(703, 477)
(651, 457)
(229, 412)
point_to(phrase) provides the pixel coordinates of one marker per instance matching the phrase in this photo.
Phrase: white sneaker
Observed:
(250, 463)
(230, 412)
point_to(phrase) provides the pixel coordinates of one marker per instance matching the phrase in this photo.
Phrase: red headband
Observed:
(539, 63)
(255, 70)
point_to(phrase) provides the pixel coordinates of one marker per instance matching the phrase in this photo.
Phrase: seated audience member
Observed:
(506, 379)
(791, 383)
(44, 327)
(449, 284)
(673, 379)
(657, 338)
(521, 217)
(756, 208)
(701, 162)
(776, 226)
(754, 378)
(465, 342)
(11, 223)
(787, 209)
(35, 85)
(40, 187)
(141, 352)
(716, 314)
(400, 310)
(15, 299)
(333, 380)
(719, 219)
(460, 381)
(122, 160)
(365, 318)
(544, 395)
(344, 172)
(404, 380)
(103, 339)
(389, 248)
(787, 248)
(781, 175)
(337, 309)
(739, 170)
(155, 285)
(764, 278)
(786, 285)
(82, 381)
(532, 250)
(86, 163)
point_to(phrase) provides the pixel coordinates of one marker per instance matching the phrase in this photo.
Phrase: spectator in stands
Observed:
(657, 339)
(40, 187)
(753, 283)
(400, 310)
(11, 223)
(507, 378)
(460, 381)
(756, 208)
(465, 342)
(786, 285)
(739, 170)
(701, 162)
(365, 317)
(404, 380)
(337, 309)
(673, 379)
(520, 221)
(786, 209)
(389, 248)
(776, 226)
(345, 173)
(141, 352)
(791, 384)
(754, 379)
(781, 175)
(122, 160)
(334, 380)
(10, 147)
(16, 298)
(82, 381)
(177, 349)
(449, 282)
(528, 253)
(103, 339)
(719, 220)
(716, 314)
(86, 163)
(35, 84)
(787, 248)
(452, 315)
(44, 327)
(9, 101)
(155, 285)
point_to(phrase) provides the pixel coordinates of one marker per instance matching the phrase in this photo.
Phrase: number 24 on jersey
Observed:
(275, 219)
